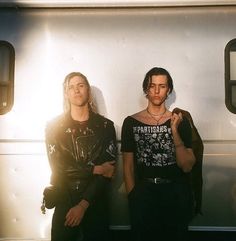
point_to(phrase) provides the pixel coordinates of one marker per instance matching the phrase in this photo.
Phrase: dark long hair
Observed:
(156, 71)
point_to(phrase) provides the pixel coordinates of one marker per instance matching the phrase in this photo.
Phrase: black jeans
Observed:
(160, 212)
(95, 223)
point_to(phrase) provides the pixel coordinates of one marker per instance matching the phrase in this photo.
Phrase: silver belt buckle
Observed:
(157, 180)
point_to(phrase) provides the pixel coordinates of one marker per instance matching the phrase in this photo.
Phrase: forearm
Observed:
(184, 156)
(96, 186)
(128, 170)
(129, 181)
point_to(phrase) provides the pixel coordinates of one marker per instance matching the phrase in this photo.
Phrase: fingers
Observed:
(109, 168)
(108, 164)
(73, 217)
(72, 222)
(176, 119)
(180, 116)
(106, 169)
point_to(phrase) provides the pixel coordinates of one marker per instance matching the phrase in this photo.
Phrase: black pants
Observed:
(94, 226)
(160, 212)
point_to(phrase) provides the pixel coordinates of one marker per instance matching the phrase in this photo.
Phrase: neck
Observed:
(80, 113)
(156, 110)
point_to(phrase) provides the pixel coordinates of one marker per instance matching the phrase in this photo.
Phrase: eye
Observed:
(163, 86)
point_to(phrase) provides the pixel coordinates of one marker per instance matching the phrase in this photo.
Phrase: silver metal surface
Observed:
(112, 3)
(114, 48)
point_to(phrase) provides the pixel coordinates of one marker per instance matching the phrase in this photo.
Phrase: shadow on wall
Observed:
(171, 99)
(98, 101)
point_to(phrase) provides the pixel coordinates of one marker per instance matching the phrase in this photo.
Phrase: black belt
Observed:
(158, 180)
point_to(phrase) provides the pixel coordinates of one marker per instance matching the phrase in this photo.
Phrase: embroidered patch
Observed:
(111, 150)
(51, 149)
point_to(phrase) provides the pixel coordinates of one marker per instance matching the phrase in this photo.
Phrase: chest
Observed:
(153, 138)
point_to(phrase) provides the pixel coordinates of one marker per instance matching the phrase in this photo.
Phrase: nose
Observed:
(157, 89)
(76, 89)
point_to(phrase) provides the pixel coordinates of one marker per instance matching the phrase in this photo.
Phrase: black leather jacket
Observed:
(73, 149)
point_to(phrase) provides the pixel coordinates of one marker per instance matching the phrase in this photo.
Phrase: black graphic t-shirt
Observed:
(153, 147)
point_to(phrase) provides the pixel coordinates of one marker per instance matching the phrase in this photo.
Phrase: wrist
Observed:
(179, 144)
(83, 204)
(97, 170)
(174, 129)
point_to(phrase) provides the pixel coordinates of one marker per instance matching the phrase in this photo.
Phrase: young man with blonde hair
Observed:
(81, 147)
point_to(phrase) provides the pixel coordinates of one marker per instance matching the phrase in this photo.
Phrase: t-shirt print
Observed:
(155, 147)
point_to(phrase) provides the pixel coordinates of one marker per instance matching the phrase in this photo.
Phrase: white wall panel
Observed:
(114, 48)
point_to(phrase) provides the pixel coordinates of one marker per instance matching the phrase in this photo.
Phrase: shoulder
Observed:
(101, 120)
(130, 121)
(55, 123)
(139, 115)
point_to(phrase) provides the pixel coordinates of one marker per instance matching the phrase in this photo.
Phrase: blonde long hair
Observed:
(66, 103)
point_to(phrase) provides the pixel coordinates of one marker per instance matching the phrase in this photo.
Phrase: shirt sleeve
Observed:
(99, 183)
(185, 132)
(127, 139)
(53, 154)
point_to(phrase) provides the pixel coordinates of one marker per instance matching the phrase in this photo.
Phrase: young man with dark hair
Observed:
(157, 157)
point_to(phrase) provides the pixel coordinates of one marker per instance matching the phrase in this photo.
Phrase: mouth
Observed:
(77, 95)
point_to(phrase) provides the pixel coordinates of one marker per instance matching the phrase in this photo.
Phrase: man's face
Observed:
(77, 91)
(158, 90)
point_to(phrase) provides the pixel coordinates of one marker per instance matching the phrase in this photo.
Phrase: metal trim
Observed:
(110, 3)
